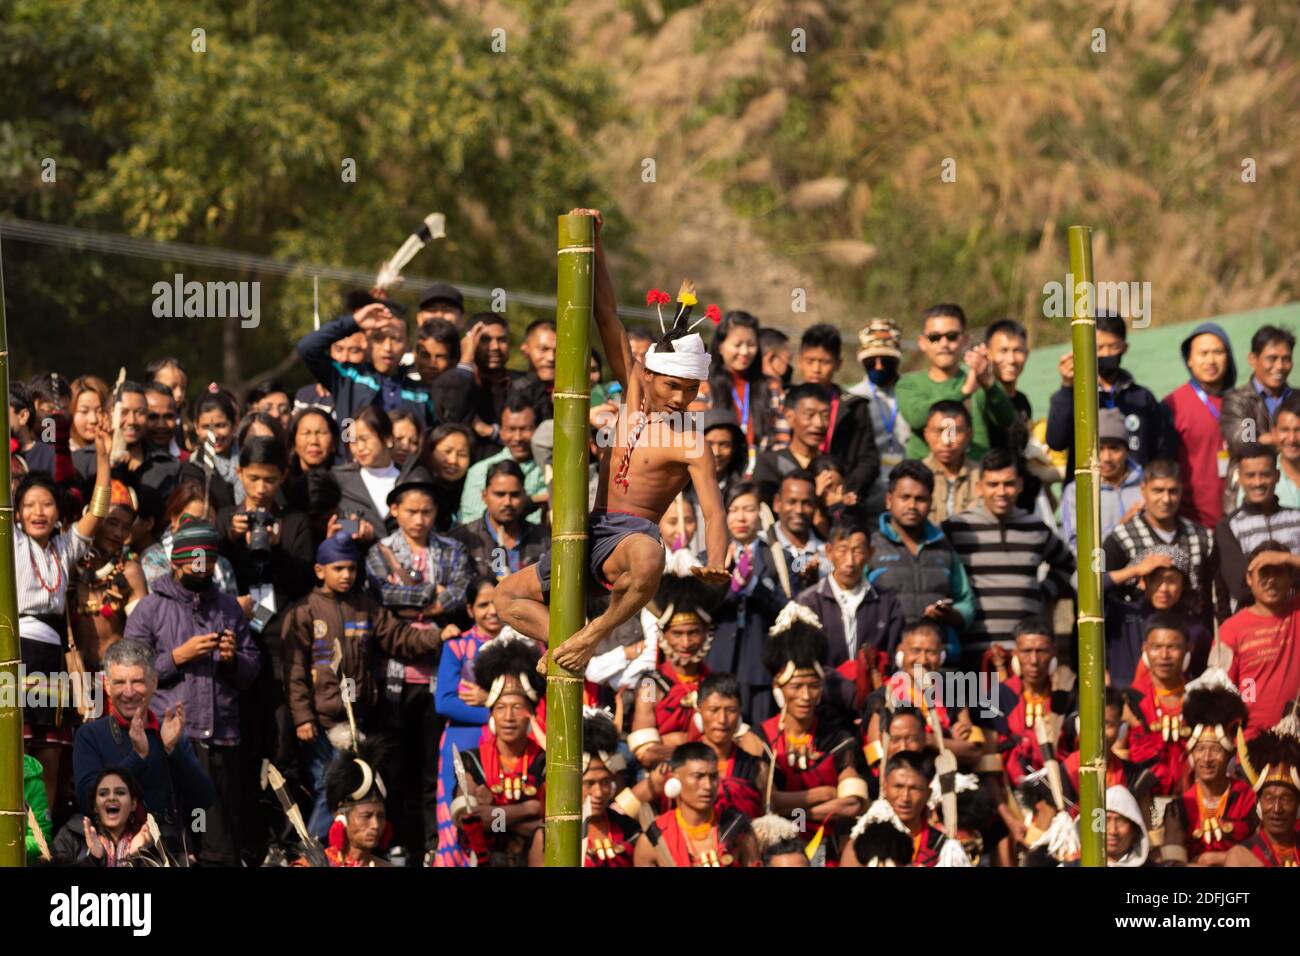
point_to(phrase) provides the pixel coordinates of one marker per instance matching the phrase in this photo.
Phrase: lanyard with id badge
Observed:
(893, 452)
(1223, 457)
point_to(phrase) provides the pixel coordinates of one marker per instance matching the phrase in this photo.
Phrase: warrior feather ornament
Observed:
(1215, 710)
(1276, 753)
(390, 273)
(880, 839)
(683, 598)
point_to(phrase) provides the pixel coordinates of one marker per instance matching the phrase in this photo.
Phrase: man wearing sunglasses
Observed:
(956, 373)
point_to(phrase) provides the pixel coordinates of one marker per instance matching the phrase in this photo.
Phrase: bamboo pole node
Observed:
(571, 536)
(561, 252)
(1091, 619)
(582, 395)
(567, 816)
(1097, 767)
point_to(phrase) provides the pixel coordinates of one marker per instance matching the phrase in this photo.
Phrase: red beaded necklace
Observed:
(58, 569)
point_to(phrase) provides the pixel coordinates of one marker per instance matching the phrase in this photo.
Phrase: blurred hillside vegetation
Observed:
(797, 148)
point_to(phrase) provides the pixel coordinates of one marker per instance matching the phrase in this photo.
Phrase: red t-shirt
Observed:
(1198, 453)
(1265, 662)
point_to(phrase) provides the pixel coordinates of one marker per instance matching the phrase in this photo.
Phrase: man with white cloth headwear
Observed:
(657, 449)
(1126, 830)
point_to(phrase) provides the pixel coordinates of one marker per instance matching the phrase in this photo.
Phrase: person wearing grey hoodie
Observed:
(1127, 843)
(1196, 407)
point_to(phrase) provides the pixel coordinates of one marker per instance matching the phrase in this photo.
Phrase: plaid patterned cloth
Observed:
(442, 563)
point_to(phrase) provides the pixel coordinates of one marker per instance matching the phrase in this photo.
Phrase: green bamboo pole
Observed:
(574, 293)
(12, 809)
(1087, 479)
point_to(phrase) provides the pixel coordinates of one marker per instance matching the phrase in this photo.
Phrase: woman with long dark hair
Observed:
(447, 452)
(215, 418)
(736, 379)
(461, 702)
(314, 441)
(114, 831)
(367, 479)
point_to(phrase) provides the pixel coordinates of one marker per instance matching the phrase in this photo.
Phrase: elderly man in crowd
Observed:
(130, 737)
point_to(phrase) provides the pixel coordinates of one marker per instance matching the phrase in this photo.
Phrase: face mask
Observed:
(1108, 365)
(885, 374)
(195, 582)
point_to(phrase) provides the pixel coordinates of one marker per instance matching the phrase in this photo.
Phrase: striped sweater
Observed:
(1236, 536)
(1003, 561)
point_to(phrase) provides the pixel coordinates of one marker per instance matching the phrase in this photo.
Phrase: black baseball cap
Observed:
(442, 292)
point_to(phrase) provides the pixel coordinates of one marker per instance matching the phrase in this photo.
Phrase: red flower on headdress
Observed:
(657, 297)
(713, 314)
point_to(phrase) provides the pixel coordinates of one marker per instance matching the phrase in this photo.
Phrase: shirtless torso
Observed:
(667, 452)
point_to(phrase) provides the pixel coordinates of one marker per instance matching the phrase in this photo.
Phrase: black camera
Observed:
(350, 524)
(259, 532)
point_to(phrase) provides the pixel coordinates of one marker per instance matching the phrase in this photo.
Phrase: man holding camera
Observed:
(204, 657)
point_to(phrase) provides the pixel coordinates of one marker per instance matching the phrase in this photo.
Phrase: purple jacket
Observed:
(169, 617)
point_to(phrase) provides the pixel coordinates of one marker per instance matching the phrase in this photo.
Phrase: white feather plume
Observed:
(679, 563)
(391, 271)
(964, 783)
(952, 853)
(878, 812)
(1211, 679)
(790, 614)
(771, 829)
(1061, 837)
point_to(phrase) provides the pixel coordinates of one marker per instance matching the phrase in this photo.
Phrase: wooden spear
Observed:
(1091, 563)
(13, 844)
(573, 308)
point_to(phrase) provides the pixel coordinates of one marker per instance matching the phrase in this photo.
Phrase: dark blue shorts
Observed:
(605, 529)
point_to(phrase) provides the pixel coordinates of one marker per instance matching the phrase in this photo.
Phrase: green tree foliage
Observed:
(242, 146)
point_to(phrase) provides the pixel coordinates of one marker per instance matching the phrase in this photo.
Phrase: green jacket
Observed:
(990, 406)
(34, 795)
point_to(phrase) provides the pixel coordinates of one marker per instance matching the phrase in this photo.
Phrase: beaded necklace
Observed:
(58, 570)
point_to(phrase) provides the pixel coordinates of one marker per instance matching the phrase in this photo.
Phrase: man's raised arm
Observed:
(715, 516)
(613, 337)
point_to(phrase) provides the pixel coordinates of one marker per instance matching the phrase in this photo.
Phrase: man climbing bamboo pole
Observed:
(657, 447)
(1087, 478)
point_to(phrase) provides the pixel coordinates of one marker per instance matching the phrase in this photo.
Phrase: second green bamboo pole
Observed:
(13, 843)
(1087, 489)
(573, 305)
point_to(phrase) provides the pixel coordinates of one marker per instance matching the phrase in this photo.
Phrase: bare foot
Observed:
(713, 576)
(574, 654)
